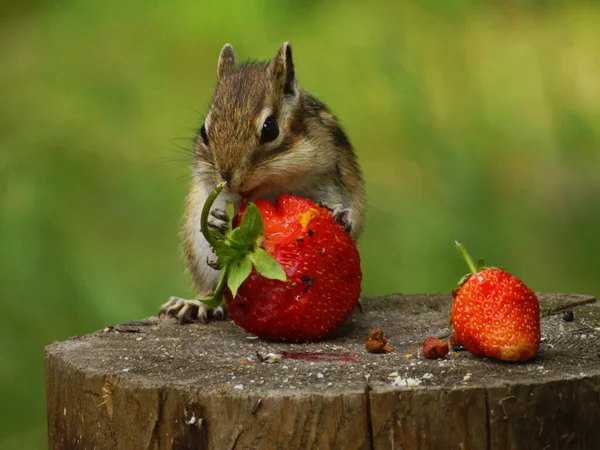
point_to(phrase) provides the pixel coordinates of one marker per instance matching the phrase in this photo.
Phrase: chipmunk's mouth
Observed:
(260, 191)
(250, 194)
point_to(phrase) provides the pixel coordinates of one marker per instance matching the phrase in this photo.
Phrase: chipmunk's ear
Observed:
(226, 60)
(283, 68)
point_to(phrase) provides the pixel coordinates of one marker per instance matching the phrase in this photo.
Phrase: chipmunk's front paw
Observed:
(185, 310)
(217, 220)
(342, 215)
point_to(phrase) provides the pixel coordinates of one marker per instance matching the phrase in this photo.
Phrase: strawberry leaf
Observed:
(252, 225)
(480, 264)
(464, 279)
(238, 249)
(216, 237)
(216, 298)
(235, 238)
(230, 213)
(267, 266)
(225, 254)
(212, 302)
(238, 272)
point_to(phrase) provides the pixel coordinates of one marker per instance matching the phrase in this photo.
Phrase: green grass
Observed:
(472, 121)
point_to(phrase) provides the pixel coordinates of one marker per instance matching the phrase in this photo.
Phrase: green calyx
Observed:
(237, 249)
(474, 267)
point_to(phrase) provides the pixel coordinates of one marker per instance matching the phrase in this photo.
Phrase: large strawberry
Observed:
(495, 314)
(289, 271)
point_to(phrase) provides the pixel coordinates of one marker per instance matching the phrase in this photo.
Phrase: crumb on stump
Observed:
(434, 348)
(376, 342)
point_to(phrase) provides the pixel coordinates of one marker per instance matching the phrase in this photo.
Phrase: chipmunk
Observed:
(265, 136)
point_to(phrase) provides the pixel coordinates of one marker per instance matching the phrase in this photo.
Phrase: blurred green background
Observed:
(473, 121)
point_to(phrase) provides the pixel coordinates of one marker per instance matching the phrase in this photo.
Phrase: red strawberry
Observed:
(292, 272)
(496, 315)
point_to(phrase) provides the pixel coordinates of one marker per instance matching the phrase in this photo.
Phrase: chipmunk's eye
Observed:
(270, 130)
(204, 135)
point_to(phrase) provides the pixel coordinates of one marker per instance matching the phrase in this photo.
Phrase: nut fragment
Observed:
(376, 341)
(434, 348)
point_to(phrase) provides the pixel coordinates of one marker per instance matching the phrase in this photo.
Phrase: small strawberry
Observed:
(495, 314)
(289, 271)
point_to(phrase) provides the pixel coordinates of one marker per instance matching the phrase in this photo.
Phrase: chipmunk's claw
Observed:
(217, 220)
(188, 311)
(213, 264)
(184, 310)
(342, 215)
(219, 313)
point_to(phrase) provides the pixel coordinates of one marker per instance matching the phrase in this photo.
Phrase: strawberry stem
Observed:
(206, 211)
(216, 298)
(237, 250)
(466, 257)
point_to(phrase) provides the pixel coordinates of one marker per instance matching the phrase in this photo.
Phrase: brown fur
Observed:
(312, 156)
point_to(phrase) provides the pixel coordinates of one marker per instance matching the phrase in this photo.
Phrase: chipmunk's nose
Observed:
(231, 176)
(226, 175)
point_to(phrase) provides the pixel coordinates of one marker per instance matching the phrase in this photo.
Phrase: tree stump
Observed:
(156, 384)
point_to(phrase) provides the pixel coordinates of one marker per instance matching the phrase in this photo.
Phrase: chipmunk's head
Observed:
(252, 136)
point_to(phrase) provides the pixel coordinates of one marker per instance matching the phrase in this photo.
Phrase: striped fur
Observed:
(312, 156)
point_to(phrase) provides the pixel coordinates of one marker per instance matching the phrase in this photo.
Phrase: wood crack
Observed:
(577, 302)
(155, 435)
(369, 417)
(488, 424)
(237, 437)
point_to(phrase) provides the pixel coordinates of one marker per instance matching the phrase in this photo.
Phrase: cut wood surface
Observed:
(156, 384)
